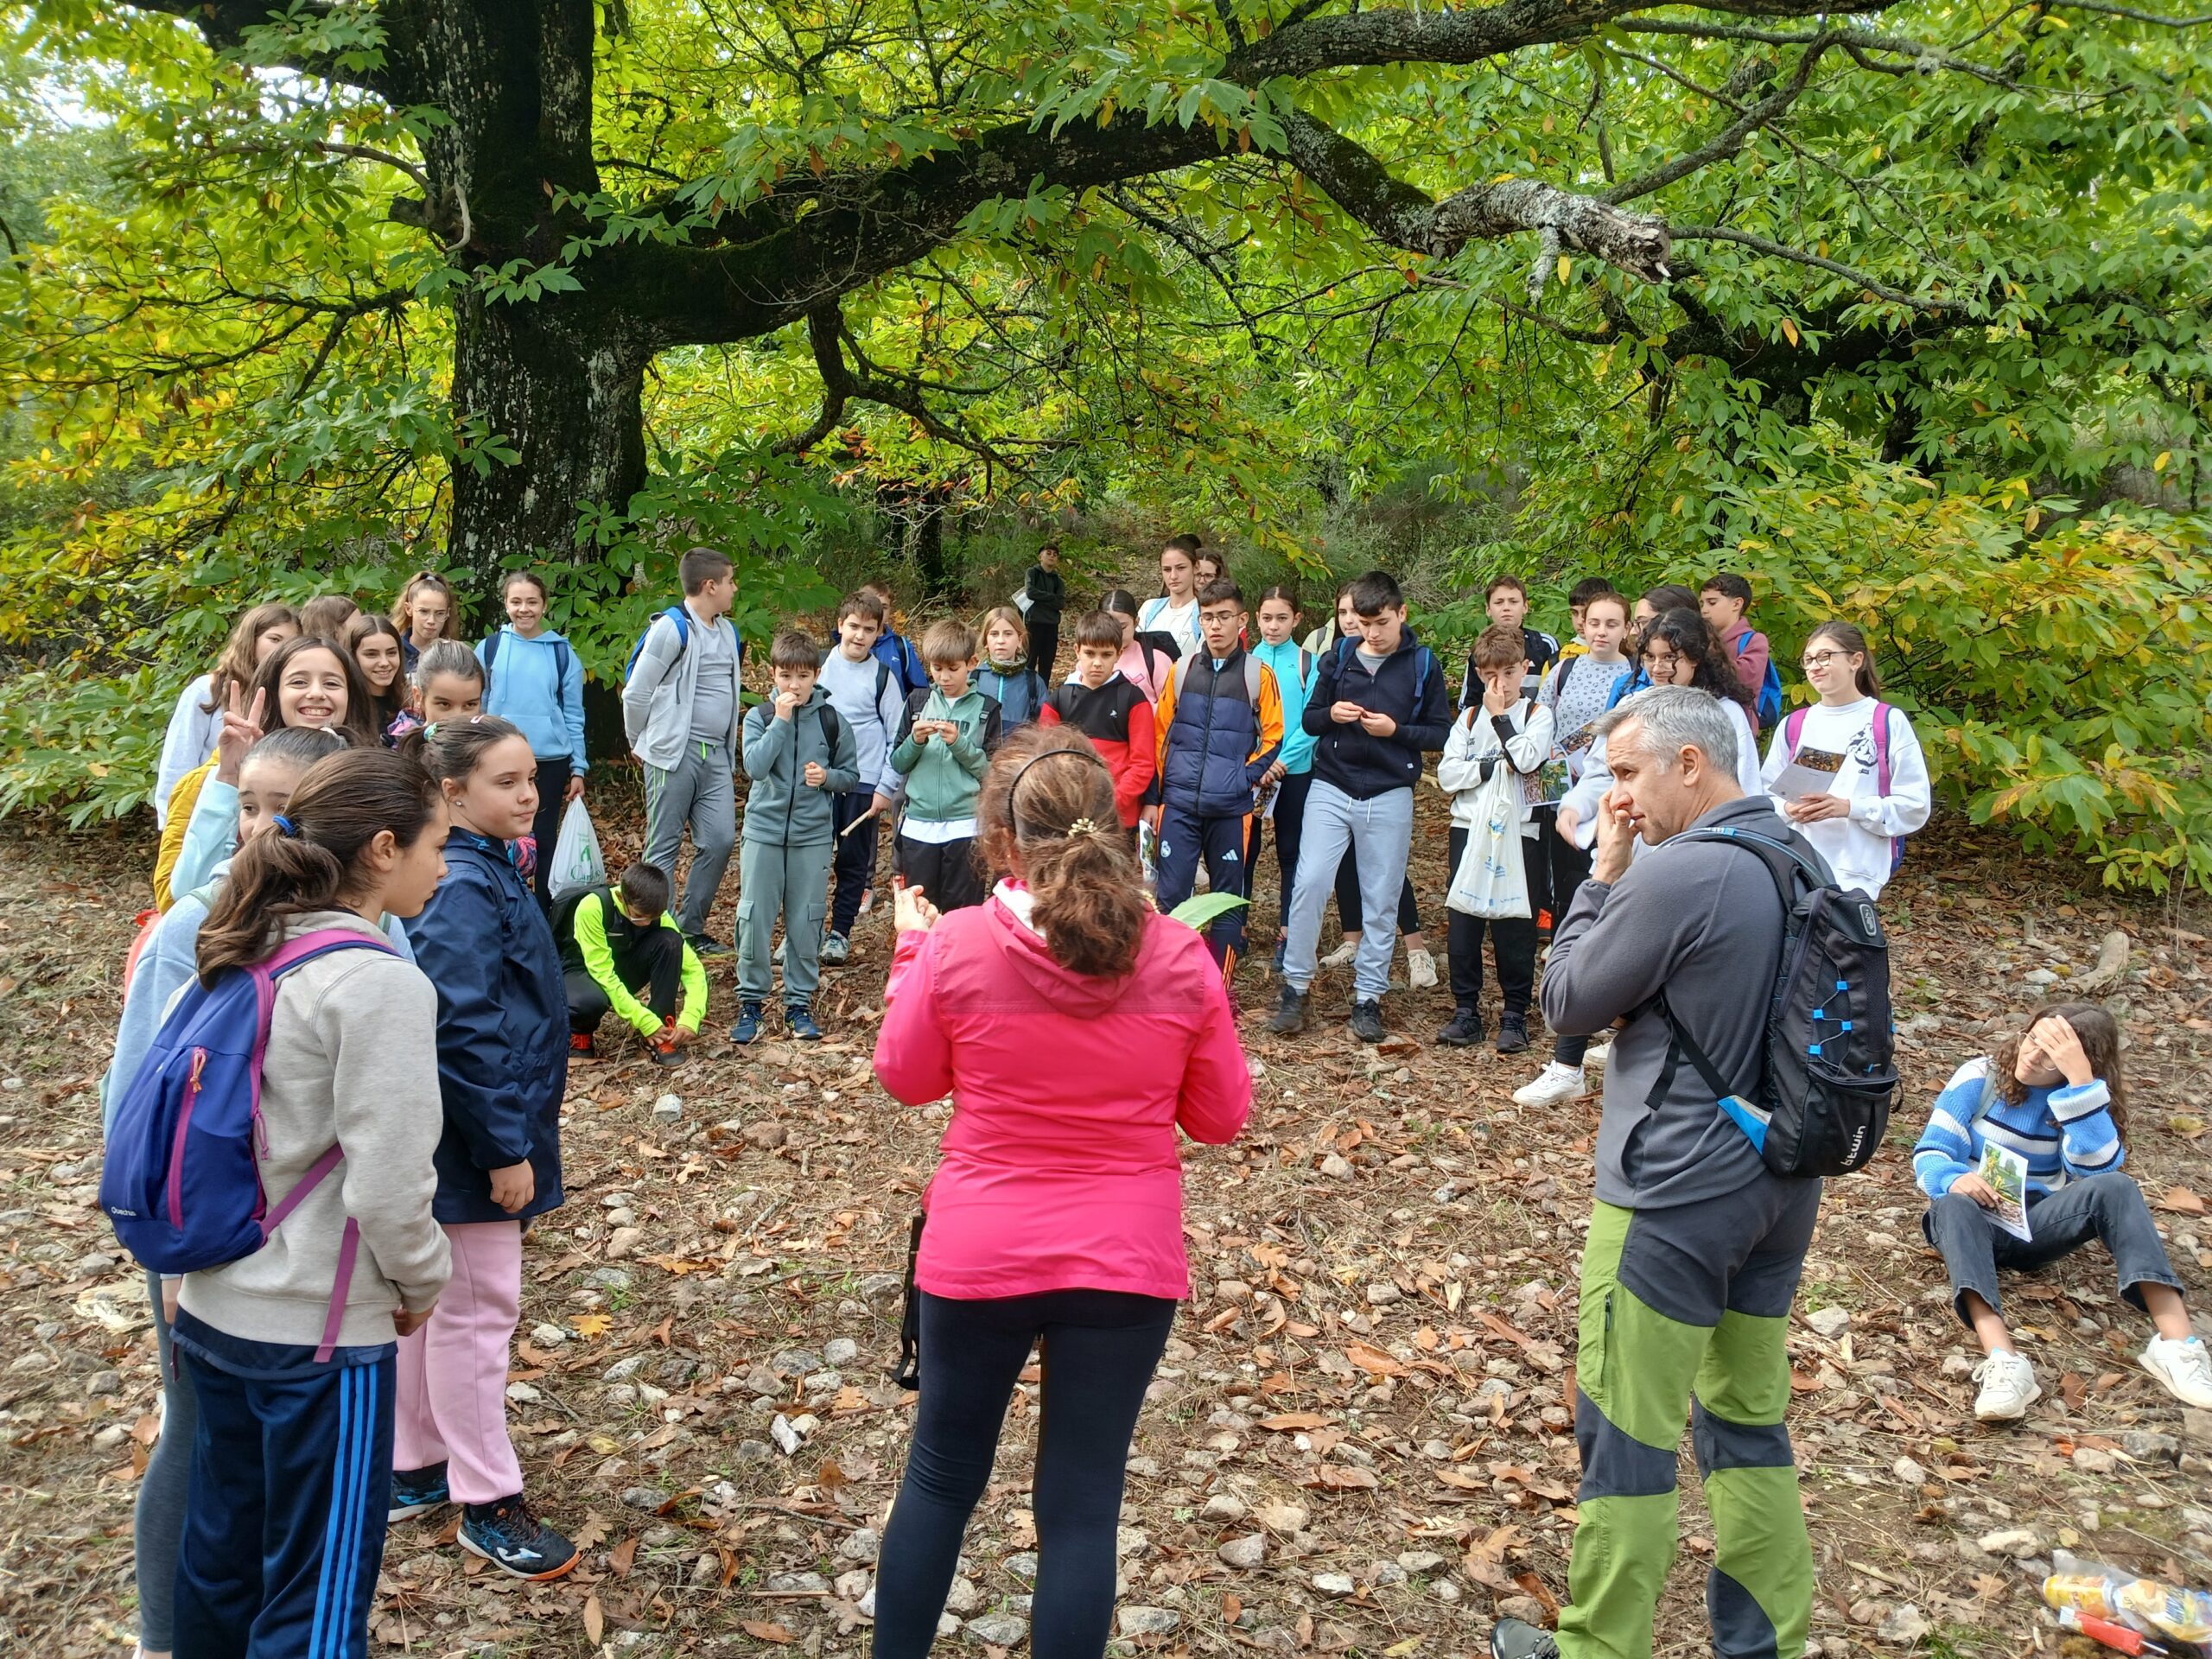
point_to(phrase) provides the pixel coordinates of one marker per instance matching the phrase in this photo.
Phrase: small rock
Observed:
(1223, 1506)
(1336, 1168)
(1023, 1566)
(798, 1361)
(547, 1336)
(863, 1545)
(2093, 1460)
(1908, 1472)
(1829, 1322)
(1957, 1365)
(623, 1368)
(1904, 1626)
(840, 1350)
(1527, 1609)
(111, 1437)
(668, 1109)
(785, 1435)
(1148, 1621)
(1447, 1590)
(2196, 1426)
(765, 1136)
(1335, 1584)
(1244, 1553)
(525, 1394)
(754, 1451)
(867, 1605)
(1419, 1560)
(1385, 1574)
(98, 1262)
(623, 1243)
(1384, 1294)
(802, 1583)
(100, 1383)
(964, 1598)
(2147, 1445)
(25, 1364)
(2019, 1542)
(2039, 976)
(644, 1498)
(998, 1630)
(852, 1585)
(608, 1278)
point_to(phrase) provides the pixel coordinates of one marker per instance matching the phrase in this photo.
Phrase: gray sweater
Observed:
(1702, 922)
(352, 1057)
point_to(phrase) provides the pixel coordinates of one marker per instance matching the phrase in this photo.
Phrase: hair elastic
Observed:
(1081, 826)
(285, 827)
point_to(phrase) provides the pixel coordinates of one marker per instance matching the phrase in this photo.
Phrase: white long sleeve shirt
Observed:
(1598, 778)
(1459, 770)
(1857, 847)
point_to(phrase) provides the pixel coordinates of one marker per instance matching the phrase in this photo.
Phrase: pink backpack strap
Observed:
(1882, 749)
(1793, 729)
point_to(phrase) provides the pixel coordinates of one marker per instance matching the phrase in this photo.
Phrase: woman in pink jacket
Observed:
(1056, 1218)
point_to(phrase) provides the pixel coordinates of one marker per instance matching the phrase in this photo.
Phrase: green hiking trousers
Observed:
(1683, 1317)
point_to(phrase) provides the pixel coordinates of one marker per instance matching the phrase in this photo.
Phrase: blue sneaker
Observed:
(516, 1541)
(748, 1023)
(416, 1492)
(799, 1020)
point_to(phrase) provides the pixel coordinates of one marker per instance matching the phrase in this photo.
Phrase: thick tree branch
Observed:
(825, 332)
(1731, 138)
(1409, 218)
(227, 24)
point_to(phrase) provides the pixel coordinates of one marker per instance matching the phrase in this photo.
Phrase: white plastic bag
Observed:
(1020, 600)
(1490, 883)
(576, 860)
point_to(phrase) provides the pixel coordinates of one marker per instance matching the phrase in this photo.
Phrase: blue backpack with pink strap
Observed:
(181, 1181)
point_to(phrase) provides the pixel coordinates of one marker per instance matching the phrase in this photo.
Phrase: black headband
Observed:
(1083, 826)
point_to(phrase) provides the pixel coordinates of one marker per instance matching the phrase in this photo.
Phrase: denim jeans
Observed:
(1381, 828)
(2109, 1206)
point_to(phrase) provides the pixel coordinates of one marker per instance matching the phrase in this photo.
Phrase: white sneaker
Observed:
(1554, 1085)
(1339, 958)
(1597, 1058)
(2184, 1367)
(2008, 1387)
(1421, 970)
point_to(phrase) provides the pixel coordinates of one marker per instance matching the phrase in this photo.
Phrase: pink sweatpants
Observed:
(452, 1372)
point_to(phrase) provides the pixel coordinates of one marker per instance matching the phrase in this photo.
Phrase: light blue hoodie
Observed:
(539, 685)
(1283, 659)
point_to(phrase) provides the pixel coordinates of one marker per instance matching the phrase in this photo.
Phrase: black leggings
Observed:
(1099, 1351)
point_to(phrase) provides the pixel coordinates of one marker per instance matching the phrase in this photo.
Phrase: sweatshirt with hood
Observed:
(536, 681)
(781, 808)
(1068, 1176)
(352, 1058)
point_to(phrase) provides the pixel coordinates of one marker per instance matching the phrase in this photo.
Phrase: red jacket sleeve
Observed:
(913, 1056)
(1047, 714)
(1217, 1094)
(1130, 788)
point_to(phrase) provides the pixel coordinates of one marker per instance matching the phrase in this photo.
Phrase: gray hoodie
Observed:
(352, 1059)
(781, 808)
(657, 695)
(1702, 922)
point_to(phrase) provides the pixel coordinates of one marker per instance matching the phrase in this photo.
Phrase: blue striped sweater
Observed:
(2065, 1134)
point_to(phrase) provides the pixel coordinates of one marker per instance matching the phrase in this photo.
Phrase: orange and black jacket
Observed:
(1217, 738)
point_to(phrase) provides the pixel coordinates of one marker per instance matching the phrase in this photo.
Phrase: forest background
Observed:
(1903, 313)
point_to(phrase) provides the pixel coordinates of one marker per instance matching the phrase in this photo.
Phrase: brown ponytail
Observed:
(1849, 640)
(310, 861)
(1055, 817)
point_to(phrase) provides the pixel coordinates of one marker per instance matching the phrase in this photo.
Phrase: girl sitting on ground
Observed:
(2052, 1094)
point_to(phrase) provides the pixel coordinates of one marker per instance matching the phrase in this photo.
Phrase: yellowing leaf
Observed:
(1790, 331)
(594, 1620)
(591, 1325)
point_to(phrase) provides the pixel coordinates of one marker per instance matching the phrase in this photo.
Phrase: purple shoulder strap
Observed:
(1793, 729)
(287, 957)
(1882, 749)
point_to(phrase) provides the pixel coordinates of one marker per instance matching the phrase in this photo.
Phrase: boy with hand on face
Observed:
(1220, 724)
(800, 756)
(1507, 600)
(867, 696)
(1101, 704)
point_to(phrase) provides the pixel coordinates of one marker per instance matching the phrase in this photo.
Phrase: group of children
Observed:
(474, 991)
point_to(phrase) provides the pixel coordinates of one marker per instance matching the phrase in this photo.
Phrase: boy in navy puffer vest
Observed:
(1220, 725)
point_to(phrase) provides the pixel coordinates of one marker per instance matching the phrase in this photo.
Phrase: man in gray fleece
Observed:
(1694, 1249)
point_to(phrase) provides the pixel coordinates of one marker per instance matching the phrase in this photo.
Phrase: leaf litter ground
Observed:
(1360, 1440)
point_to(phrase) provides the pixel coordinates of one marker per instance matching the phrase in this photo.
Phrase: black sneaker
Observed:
(417, 1491)
(703, 945)
(1514, 1638)
(1367, 1022)
(1290, 1012)
(516, 1541)
(1512, 1033)
(1465, 1031)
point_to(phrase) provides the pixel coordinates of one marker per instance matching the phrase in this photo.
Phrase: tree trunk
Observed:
(559, 385)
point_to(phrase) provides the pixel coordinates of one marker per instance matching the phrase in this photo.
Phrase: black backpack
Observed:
(1828, 1077)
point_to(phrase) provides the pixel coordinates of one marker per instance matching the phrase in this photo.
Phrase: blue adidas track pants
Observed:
(291, 1478)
